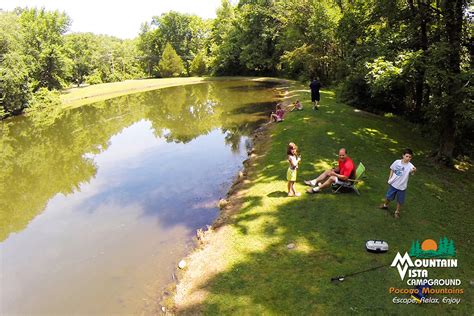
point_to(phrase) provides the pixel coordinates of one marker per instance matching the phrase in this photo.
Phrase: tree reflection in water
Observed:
(42, 160)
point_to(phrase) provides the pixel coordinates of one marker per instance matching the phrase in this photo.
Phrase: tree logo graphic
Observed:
(430, 249)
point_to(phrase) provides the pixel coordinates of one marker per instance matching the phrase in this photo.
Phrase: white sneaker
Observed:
(316, 189)
(310, 182)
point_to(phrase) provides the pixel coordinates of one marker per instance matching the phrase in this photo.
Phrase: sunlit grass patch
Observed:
(463, 165)
(286, 249)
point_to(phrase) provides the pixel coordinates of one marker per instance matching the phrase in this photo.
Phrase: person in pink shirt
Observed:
(297, 106)
(277, 116)
(336, 175)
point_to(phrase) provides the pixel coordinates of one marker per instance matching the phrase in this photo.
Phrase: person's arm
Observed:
(347, 172)
(390, 175)
(392, 167)
(335, 173)
(413, 170)
(293, 162)
(342, 177)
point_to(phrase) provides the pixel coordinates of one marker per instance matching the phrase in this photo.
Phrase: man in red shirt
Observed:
(337, 175)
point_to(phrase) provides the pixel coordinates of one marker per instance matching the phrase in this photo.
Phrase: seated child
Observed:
(277, 116)
(297, 106)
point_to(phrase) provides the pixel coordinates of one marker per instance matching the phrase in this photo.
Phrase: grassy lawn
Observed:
(253, 271)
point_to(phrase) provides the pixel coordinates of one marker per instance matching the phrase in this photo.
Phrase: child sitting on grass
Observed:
(294, 160)
(297, 106)
(400, 170)
(277, 116)
(294, 106)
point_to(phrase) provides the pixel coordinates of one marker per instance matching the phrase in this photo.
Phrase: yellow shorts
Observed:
(291, 174)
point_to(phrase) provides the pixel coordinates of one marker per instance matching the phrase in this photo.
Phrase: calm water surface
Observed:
(98, 206)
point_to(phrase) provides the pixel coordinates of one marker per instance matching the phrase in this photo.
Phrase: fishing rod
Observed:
(343, 277)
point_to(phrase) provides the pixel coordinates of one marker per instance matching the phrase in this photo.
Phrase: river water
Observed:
(98, 204)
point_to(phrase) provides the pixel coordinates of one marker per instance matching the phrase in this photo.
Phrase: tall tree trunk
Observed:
(420, 72)
(421, 15)
(453, 18)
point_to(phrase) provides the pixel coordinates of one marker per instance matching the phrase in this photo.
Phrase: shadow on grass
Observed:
(277, 194)
(328, 233)
(287, 249)
(328, 242)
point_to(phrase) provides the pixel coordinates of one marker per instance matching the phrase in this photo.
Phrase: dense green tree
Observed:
(113, 59)
(170, 64)
(453, 94)
(14, 87)
(245, 38)
(412, 58)
(80, 48)
(126, 61)
(308, 39)
(407, 58)
(258, 32)
(104, 61)
(186, 33)
(222, 24)
(198, 65)
(44, 47)
(221, 45)
(150, 48)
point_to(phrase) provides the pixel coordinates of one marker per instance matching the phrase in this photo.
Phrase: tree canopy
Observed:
(170, 64)
(411, 58)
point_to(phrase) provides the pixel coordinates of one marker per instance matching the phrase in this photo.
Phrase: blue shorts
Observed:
(392, 192)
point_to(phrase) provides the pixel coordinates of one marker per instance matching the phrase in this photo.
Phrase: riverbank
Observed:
(206, 259)
(75, 97)
(270, 254)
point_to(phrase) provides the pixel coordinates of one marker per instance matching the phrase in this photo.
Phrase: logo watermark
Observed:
(416, 266)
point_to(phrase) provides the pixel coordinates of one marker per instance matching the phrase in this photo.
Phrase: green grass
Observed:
(264, 277)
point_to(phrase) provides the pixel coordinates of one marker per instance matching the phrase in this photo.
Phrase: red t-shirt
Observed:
(346, 167)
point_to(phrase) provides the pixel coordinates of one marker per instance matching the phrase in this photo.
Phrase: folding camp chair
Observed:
(351, 184)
